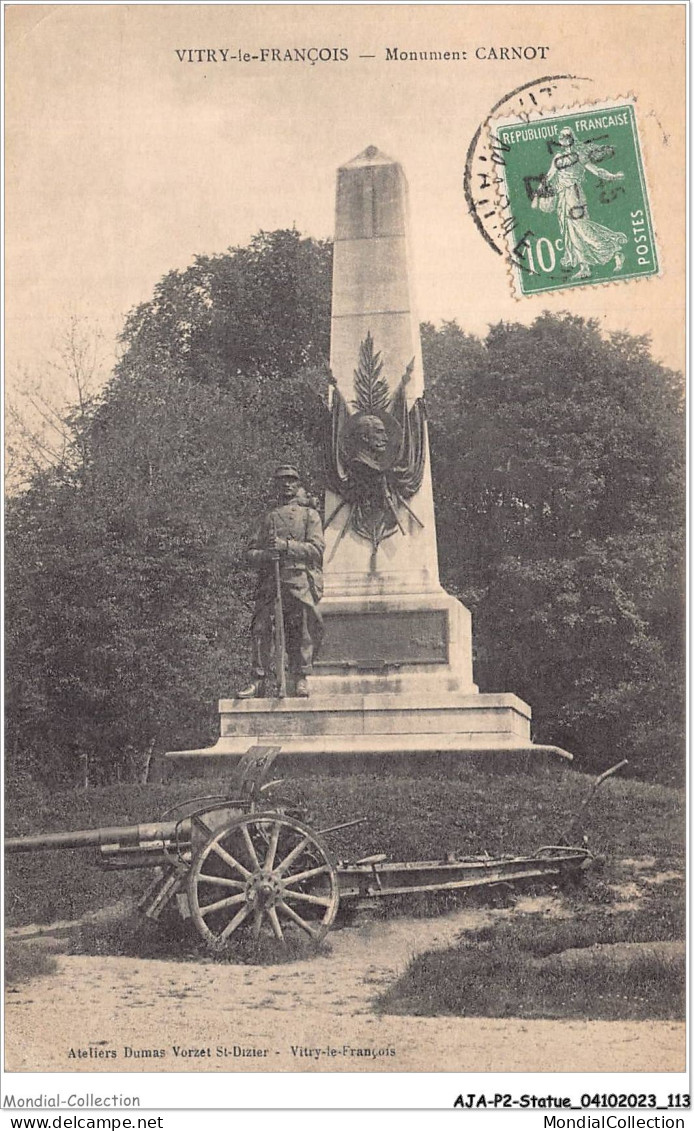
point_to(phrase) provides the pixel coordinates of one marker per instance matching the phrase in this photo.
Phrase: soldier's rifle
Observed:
(278, 633)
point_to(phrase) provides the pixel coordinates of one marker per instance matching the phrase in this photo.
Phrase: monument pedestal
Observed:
(381, 732)
(372, 723)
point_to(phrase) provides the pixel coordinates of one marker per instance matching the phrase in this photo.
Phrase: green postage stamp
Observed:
(574, 201)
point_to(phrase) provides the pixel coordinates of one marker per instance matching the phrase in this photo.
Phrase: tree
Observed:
(128, 607)
(558, 460)
(249, 318)
(47, 415)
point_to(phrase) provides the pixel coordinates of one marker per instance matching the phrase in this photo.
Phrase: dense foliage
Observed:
(558, 460)
(558, 479)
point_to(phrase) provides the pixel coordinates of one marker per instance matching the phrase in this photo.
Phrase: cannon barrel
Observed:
(161, 833)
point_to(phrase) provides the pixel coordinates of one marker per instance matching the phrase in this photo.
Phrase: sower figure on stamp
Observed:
(287, 627)
(586, 243)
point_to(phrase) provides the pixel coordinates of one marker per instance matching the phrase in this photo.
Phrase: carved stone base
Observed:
(455, 716)
(359, 730)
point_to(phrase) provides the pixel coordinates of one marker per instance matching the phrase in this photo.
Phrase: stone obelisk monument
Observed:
(390, 626)
(394, 678)
(372, 295)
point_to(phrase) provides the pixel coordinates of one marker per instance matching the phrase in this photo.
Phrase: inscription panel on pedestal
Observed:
(372, 641)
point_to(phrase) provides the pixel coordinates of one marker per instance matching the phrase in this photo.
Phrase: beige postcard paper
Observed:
(225, 225)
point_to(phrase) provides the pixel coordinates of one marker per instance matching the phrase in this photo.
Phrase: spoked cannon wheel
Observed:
(263, 876)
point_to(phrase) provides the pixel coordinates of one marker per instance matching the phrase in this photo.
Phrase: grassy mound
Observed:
(26, 960)
(174, 939)
(597, 964)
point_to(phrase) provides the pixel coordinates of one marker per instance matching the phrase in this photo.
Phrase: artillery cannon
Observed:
(239, 869)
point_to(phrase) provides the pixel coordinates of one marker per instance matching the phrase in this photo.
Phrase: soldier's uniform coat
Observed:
(301, 576)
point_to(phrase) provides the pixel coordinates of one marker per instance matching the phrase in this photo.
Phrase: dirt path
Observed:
(131, 1006)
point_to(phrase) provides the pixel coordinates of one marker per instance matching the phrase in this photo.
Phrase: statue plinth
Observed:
(394, 676)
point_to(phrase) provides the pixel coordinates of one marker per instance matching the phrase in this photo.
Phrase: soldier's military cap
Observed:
(286, 471)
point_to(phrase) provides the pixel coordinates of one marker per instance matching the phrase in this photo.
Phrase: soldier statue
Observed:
(287, 627)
